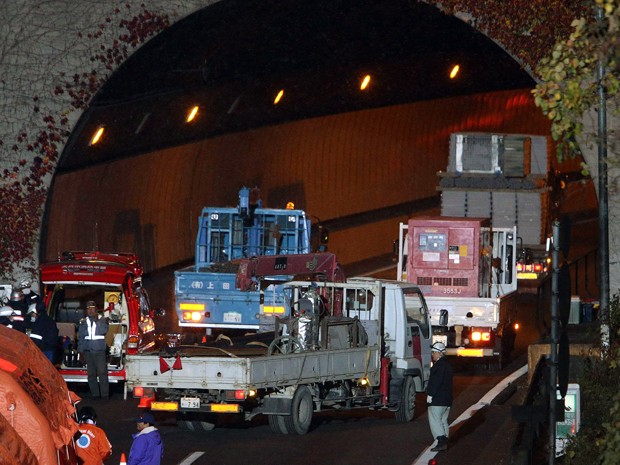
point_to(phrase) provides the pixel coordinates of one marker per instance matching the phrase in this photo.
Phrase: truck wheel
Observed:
(406, 410)
(194, 425)
(302, 407)
(276, 423)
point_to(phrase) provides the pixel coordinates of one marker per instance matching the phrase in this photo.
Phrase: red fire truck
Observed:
(114, 282)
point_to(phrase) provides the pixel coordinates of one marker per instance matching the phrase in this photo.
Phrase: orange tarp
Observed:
(13, 449)
(22, 414)
(48, 401)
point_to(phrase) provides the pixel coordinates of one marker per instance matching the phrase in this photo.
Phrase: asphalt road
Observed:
(338, 437)
(348, 437)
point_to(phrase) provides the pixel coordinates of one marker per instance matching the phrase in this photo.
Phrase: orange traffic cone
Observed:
(123, 459)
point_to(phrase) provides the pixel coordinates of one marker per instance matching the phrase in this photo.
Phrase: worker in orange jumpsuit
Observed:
(93, 446)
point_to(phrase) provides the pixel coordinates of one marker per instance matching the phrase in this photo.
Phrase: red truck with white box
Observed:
(466, 269)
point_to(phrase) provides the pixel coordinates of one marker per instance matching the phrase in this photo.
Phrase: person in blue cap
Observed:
(147, 447)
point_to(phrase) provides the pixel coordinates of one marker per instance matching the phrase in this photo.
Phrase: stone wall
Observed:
(43, 44)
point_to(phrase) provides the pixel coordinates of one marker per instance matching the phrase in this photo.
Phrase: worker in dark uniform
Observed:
(30, 296)
(11, 318)
(92, 348)
(18, 302)
(439, 396)
(42, 330)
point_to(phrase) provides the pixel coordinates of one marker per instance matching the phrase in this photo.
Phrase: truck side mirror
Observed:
(443, 317)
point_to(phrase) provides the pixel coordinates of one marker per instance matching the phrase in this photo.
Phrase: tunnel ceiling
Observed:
(232, 58)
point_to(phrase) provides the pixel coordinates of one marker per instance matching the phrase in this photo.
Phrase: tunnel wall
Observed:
(330, 166)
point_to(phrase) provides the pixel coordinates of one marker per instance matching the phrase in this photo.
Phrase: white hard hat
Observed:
(438, 347)
(6, 311)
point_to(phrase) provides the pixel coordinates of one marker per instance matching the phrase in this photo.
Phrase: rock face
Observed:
(44, 46)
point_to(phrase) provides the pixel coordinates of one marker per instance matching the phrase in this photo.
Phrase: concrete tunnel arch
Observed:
(362, 168)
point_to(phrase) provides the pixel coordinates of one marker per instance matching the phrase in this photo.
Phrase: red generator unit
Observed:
(450, 256)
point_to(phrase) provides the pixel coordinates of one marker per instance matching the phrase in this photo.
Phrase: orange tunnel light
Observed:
(97, 136)
(365, 82)
(192, 114)
(278, 97)
(454, 71)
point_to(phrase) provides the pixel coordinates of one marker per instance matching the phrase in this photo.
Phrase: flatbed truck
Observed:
(364, 343)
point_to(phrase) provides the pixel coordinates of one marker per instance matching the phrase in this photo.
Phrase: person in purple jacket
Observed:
(147, 447)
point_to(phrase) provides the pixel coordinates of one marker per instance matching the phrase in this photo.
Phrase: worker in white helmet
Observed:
(439, 396)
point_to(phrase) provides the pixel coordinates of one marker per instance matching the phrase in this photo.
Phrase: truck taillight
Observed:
(538, 267)
(146, 396)
(192, 311)
(192, 316)
(478, 336)
(239, 394)
(520, 267)
(132, 342)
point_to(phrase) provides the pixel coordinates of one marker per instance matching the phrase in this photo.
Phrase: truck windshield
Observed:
(68, 302)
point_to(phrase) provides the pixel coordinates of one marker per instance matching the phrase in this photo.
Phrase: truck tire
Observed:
(276, 423)
(406, 409)
(302, 407)
(194, 425)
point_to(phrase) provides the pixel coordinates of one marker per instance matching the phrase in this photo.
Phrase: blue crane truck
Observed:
(206, 295)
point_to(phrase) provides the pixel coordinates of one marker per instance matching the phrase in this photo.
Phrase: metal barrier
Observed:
(532, 417)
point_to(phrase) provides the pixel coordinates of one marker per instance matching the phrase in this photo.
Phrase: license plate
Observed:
(440, 338)
(232, 317)
(190, 402)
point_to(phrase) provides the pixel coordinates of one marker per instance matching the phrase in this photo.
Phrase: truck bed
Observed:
(471, 311)
(230, 371)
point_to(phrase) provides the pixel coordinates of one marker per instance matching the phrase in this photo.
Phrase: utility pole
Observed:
(553, 346)
(603, 213)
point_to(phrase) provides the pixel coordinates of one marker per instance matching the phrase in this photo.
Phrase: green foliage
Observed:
(598, 440)
(569, 83)
(611, 441)
(598, 397)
